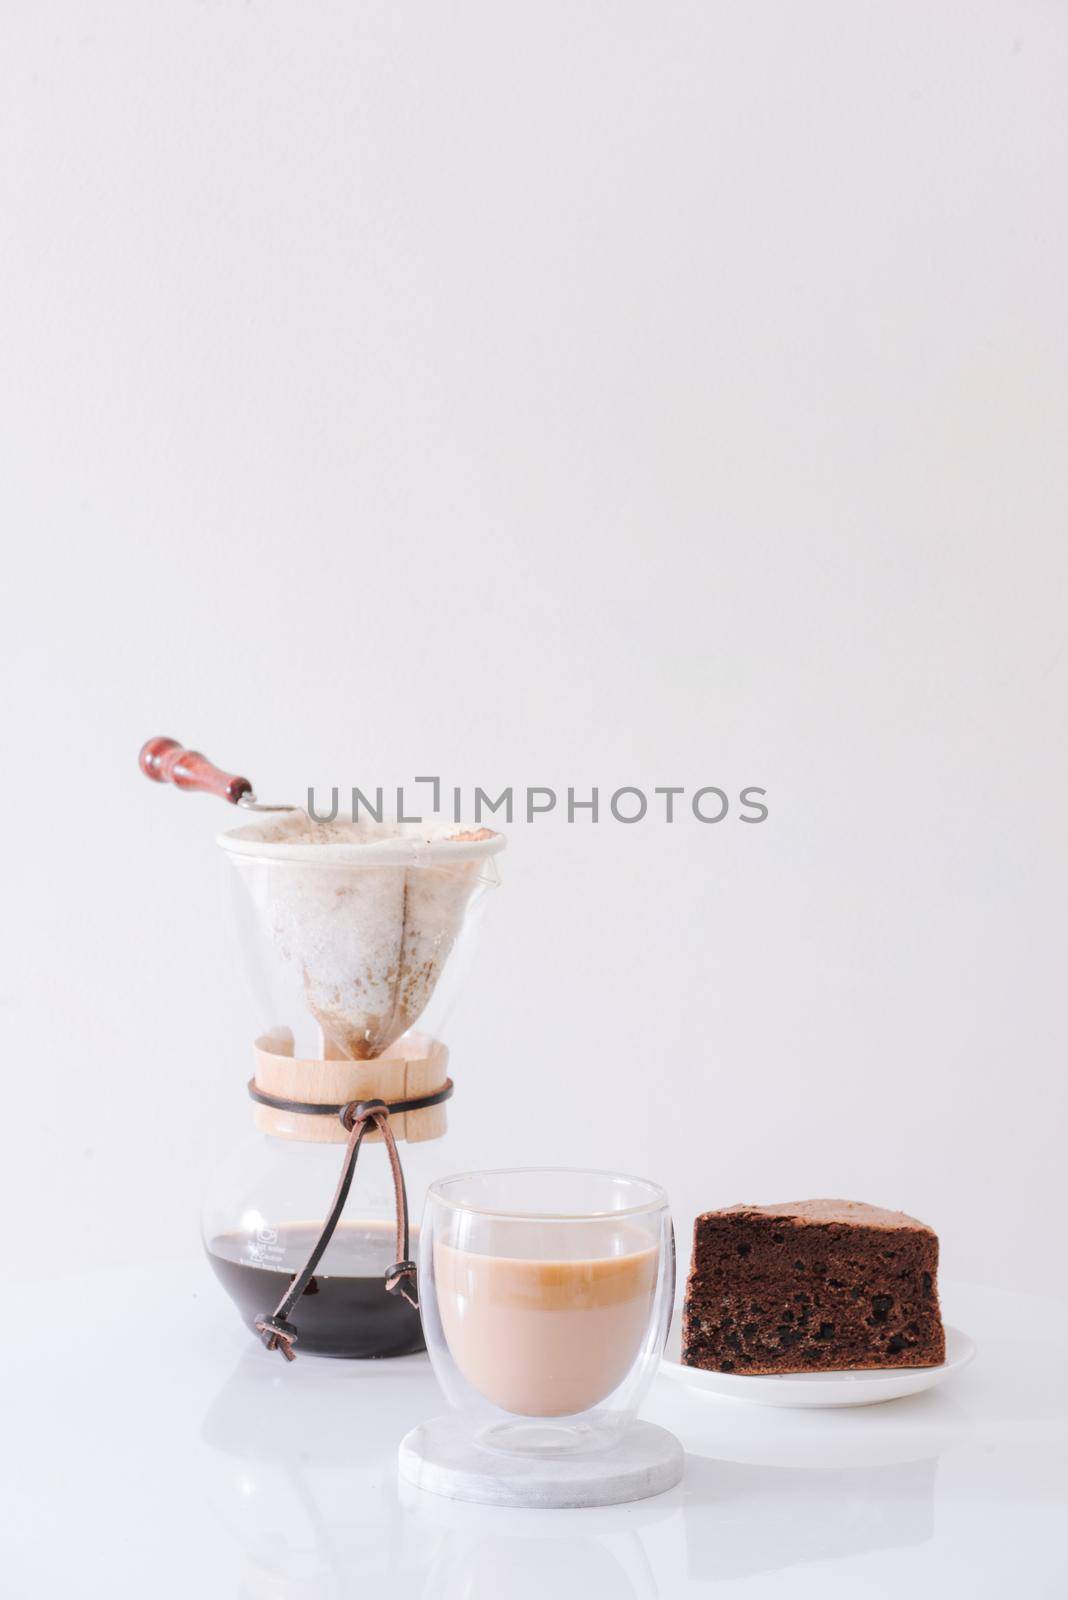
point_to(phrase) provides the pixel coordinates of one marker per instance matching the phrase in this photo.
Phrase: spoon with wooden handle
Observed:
(166, 761)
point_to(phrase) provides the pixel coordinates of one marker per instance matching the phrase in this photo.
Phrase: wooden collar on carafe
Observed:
(415, 1066)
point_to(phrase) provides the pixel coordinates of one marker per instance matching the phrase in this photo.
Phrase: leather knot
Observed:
(398, 1278)
(278, 1334)
(361, 1111)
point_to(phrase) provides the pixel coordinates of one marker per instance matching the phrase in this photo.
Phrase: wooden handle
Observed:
(413, 1066)
(166, 761)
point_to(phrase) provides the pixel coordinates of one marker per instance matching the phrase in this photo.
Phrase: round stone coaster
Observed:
(442, 1457)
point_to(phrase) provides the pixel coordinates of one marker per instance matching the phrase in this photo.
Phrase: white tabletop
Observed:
(152, 1448)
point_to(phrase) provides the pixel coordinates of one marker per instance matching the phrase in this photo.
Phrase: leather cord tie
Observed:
(276, 1330)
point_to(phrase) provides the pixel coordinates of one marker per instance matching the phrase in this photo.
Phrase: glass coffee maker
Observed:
(353, 932)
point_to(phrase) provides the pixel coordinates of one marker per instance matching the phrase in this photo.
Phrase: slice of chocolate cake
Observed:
(812, 1286)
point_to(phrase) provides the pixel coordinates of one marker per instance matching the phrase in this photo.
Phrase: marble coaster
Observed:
(442, 1457)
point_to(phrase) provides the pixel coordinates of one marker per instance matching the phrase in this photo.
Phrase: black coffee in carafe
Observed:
(345, 1310)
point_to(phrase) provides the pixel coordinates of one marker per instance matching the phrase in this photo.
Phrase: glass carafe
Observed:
(348, 932)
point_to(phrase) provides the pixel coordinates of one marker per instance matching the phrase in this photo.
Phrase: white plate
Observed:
(817, 1388)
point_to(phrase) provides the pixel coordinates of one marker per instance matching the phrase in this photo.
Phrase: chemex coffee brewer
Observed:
(349, 925)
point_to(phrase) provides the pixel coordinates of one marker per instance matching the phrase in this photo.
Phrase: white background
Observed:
(587, 394)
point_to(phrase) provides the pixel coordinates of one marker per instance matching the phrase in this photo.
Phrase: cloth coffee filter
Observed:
(368, 912)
